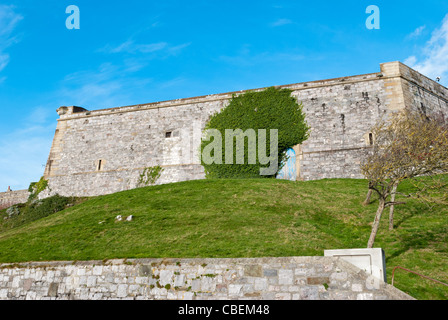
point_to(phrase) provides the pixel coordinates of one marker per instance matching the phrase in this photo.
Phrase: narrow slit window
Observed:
(371, 139)
(50, 162)
(100, 163)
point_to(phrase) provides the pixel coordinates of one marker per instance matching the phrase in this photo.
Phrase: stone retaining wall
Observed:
(292, 278)
(10, 198)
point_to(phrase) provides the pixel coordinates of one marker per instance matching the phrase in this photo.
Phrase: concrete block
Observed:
(372, 261)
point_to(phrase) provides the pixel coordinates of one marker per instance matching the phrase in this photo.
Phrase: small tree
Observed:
(408, 146)
(270, 109)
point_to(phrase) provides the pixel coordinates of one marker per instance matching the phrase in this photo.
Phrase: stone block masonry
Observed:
(289, 278)
(10, 198)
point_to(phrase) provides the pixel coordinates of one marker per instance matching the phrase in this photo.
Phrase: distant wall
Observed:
(422, 93)
(292, 278)
(105, 151)
(10, 198)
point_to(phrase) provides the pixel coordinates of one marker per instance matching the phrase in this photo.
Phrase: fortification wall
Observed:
(102, 152)
(422, 93)
(105, 151)
(341, 115)
(10, 198)
(293, 278)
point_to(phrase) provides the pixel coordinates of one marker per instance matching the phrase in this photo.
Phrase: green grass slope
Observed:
(239, 218)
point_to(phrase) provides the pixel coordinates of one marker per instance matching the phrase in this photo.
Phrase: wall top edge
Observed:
(221, 96)
(160, 261)
(14, 192)
(388, 70)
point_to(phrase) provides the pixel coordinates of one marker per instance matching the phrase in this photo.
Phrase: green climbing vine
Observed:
(37, 187)
(149, 176)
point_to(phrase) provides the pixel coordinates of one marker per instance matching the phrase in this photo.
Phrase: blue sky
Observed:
(136, 51)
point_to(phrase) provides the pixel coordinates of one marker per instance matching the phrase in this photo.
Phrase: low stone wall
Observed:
(10, 198)
(292, 278)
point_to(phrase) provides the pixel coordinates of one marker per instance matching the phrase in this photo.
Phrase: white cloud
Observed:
(245, 57)
(112, 85)
(25, 151)
(8, 22)
(412, 60)
(280, 22)
(172, 83)
(105, 87)
(4, 60)
(131, 47)
(40, 115)
(434, 60)
(177, 49)
(417, 32)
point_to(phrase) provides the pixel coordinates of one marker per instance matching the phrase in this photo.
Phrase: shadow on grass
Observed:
(420, 240)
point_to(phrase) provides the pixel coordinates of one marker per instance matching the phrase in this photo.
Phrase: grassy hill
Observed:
(238, 218)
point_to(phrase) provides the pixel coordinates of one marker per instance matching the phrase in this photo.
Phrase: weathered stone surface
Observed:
(285, 276)
(318, 280)
(53, 290)
(144, 270)
(10, 198)
(253, 271)
(150, 279)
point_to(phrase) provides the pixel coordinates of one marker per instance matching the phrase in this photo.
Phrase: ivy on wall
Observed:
(149, 176)
(37, 187)
(272, 108)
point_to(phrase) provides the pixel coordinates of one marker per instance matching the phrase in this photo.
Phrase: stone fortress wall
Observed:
(10, 198)
(289, 278)
(105, 151)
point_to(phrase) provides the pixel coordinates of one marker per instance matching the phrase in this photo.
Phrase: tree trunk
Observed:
(391, 212)
(376, 222)
(369, 195)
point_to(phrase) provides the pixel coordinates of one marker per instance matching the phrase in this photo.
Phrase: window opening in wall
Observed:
(168, 134)
(371, 139)
(100, 163)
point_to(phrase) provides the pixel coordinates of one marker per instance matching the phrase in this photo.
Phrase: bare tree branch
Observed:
(408, 146)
